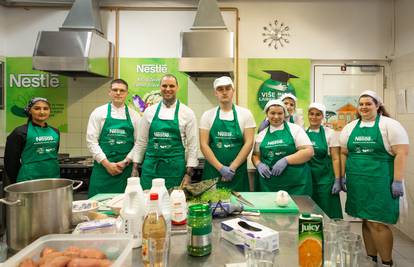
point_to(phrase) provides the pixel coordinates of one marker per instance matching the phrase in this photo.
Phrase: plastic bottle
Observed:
(132, 212)
(178, 207)
(154, 236)
(158, 186)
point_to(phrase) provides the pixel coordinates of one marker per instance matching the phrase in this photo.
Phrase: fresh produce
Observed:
(71, 257)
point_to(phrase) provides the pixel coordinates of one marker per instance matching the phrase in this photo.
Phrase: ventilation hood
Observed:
(208, 49)
(78, 48)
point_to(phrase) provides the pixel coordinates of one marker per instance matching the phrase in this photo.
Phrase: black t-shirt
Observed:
(15, 144)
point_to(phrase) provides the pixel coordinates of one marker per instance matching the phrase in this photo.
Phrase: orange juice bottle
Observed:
(310, 248)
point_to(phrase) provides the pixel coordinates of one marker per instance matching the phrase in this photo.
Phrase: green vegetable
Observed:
(212, 196)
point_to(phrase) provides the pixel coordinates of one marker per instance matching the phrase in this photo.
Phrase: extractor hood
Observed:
(208, 49)
(78, 48)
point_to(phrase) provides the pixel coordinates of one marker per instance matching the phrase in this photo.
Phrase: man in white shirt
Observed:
(111, 134)
(226, 139)
(167, 142)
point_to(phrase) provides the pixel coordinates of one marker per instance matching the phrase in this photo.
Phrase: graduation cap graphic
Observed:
(277, 85)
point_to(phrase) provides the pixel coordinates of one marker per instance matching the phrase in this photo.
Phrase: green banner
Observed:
(270, 78)
(143, 77)
(23, 83)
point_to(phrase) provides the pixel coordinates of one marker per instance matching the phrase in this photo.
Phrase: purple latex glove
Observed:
(263, 170)
(279, 166)
(397, 189)
(336, 188)
(226, 173)
(343, 183)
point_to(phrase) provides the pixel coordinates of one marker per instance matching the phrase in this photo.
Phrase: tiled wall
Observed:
(403, 78)
(85, 94)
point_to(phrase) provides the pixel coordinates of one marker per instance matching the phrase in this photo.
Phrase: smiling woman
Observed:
(31, 149)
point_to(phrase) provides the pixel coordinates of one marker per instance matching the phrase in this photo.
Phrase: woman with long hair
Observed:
(374, 150)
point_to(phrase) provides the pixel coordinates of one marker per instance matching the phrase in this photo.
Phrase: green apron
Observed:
(226, 141)
(369, 175)
(165, 155)
(116, 140)
(323, 176)
(295, 179)
(291, 120)
(39, 156)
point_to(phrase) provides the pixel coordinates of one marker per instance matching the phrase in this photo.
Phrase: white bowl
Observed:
(81, 208)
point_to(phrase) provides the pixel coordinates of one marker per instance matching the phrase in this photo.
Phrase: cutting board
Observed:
(265, 202)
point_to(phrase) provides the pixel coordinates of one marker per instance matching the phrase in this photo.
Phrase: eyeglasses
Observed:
(120, 91)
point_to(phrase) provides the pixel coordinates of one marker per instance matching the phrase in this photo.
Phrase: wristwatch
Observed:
(190, 171)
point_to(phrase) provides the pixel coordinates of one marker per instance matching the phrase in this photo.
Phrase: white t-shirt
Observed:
(244, 116)
(332, 136)
(299, 135)
(392, 132)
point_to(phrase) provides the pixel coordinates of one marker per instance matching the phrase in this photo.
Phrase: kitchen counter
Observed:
(224, 252)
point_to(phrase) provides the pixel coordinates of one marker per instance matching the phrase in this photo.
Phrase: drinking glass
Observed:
(332, 232)
(257, 257)
(350, 249)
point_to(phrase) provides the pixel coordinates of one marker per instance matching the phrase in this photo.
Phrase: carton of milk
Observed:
(247, 233)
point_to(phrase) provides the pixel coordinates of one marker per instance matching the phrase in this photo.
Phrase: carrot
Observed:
(92, 253)
(79, 262)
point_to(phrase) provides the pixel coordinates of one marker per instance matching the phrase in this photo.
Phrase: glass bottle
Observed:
(199, 230)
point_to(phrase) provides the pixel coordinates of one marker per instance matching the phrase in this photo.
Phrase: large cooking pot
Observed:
(36, 208)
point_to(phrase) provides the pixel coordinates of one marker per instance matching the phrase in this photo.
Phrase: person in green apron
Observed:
(281, 153)
(226, 139)
(112, 131)
(168, 139)
(290, 102)
(374, 150)
(325, 164)
(32, 149)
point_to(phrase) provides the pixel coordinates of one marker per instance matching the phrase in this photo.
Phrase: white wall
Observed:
(403, 78)
(2, 34)
(336, 29)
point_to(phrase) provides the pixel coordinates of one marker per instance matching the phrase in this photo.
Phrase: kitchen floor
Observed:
(403, 252)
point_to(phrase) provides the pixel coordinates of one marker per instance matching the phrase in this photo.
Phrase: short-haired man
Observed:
(111, 134)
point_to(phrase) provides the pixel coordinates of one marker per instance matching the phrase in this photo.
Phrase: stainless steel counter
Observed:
(225, 252)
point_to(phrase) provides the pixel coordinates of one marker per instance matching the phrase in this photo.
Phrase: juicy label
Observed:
(310, 248)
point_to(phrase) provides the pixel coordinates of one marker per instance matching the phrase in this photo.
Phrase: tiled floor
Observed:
(403, 252)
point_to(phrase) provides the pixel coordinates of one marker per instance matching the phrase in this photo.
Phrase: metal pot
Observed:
(36, 208)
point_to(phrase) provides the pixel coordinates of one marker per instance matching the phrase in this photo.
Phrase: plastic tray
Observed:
(117, 247)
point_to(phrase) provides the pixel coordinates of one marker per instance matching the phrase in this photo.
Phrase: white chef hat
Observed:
(319, 106)
(288, 95)
(222, 81)
(373, 95)
(276, 102)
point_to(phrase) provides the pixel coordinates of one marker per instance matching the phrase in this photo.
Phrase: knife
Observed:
(241, 199)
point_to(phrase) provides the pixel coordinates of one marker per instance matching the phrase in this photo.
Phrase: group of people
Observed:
(367, 159)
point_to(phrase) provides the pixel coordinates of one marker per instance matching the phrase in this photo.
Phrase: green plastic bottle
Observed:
(199, 230)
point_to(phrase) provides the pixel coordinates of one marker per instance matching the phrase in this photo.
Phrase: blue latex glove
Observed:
(397, 189)
(279, 167)
(336, 188)
(263, 125)
(343, 183)
(263, 170)
(226, 173)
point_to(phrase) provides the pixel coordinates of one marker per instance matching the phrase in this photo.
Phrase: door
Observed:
(338, 89)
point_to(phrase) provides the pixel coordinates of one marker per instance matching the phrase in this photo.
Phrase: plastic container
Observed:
(158, 186)
(178, 207)
(132, 212)
(117, 247)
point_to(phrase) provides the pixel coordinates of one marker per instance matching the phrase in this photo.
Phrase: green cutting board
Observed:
(265, 202)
